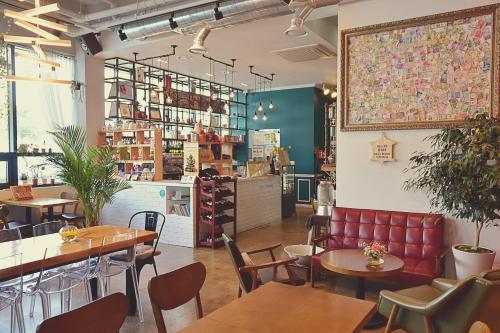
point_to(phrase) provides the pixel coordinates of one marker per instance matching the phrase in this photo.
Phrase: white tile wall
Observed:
(142, 196)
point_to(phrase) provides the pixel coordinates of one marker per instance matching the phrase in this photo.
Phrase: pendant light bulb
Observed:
(255, 117)
(271, 106)
(334, 94)
(264, 117)
(169, 99)
(261, 108)
(209, 109)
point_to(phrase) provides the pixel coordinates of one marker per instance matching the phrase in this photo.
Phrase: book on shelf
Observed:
(139, 75)
(181, 209)
(124, 90)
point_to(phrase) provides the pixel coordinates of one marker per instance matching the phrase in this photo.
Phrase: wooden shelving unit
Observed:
(201, 155)
(216, 198)
(138, 152)
(190, 98)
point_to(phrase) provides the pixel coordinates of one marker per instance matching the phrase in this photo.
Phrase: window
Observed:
(32, 111)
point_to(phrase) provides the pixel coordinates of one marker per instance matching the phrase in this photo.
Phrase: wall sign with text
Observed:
(383, 149)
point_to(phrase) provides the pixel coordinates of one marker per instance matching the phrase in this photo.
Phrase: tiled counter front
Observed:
(258, 201)
(178, 230)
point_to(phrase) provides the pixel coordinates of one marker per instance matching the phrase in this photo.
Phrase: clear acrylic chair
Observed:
(117, 262)
(11, 292)
(60, 280)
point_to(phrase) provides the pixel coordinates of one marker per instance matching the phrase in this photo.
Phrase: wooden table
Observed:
(276, 307)
(40, 203)
(352, 262)
(60, 253)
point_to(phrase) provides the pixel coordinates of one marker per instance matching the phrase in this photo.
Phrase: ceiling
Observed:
(250, 44)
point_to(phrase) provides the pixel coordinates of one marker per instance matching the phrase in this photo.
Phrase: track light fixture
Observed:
(173, 24)
(217, 13)
(121, 34)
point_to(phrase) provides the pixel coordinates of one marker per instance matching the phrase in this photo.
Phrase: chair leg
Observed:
(100, 282)
(135, 281)
(45, 305)
(312, 276)
(392, 318)
(32, 305)
(428, 325)
(239, 292)
(108, 284)
(88, 291)
(12, 318)
(154, 266)
(69, 295)
(20, 315)
(199, 309)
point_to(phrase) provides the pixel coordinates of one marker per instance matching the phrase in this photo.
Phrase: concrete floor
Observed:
(221, 285)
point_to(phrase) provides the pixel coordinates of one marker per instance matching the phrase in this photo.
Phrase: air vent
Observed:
(305, 53)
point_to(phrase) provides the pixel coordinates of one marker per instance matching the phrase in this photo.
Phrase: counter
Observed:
(258, 204)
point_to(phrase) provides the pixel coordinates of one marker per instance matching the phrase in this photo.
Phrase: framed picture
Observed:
(125, 110)
(154, 114)
(428, 72)
(139, 74)
(153, 96)
(126, 90)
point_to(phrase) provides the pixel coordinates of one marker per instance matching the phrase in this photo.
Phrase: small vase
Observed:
(68, 233)
(375, 261)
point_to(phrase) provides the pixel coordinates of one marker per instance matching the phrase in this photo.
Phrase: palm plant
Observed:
(90, 171)
(462, 173)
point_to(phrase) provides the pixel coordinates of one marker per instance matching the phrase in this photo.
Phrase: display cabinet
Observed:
(288, 194)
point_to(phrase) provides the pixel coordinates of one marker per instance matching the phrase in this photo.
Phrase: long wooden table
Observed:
(39, 203)
(276, 307)
(60, 253)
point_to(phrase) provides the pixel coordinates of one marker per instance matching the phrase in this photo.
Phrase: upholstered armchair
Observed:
(446, 306)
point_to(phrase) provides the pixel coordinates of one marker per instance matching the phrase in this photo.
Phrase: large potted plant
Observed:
(461, 173)
(90, 171)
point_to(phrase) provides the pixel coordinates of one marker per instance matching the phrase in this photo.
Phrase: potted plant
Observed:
(24, 178)
(462, 175)
(89, 170)
(34, 175)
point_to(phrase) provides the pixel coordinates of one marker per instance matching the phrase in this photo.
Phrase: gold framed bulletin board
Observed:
(428, 72)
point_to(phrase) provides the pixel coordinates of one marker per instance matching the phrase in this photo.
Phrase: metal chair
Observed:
(171, 290)
(116, 263)
(147, 252)
(106, 314)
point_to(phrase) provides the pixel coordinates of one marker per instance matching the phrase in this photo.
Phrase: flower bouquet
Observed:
(375, 252)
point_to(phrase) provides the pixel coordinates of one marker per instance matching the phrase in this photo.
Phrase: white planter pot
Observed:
(467, 263)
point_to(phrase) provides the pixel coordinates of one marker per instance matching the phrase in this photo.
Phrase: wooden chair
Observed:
(105, 315)
(170, 290)
(252, 275)
(5, 223)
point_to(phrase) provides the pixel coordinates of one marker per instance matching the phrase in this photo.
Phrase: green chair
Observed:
(446, 306)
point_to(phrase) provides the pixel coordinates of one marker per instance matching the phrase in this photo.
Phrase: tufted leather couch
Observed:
(416, 238)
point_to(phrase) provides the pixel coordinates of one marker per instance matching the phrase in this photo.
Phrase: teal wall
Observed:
(298, 113)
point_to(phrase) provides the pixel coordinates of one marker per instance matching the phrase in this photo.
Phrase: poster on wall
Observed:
(428, 72)
(258, 152)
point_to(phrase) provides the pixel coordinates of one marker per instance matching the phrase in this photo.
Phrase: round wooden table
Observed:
(352, 262)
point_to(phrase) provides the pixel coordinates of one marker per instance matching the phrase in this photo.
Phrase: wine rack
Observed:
(216, 208)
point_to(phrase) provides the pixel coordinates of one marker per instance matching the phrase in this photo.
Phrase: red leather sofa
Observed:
(414, 237)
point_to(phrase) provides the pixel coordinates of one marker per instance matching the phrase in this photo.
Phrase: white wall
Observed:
(366, 184)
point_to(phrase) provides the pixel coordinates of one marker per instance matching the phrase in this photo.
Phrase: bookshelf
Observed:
(144, 148)
(170, 101)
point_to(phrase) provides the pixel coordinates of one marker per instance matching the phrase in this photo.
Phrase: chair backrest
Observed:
(4, 213)
(246, 280)
(105, 315)
(48, 228)
(70, 196)
(150, 223)
(170, 290)
(8, 235)
(407, 235)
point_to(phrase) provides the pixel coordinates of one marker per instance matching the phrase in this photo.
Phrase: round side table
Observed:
(352, 262)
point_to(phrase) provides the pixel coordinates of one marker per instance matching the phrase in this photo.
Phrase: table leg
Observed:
(28, 215)
(129, 284)
(377, 320)
(50, 213)
(360, 287)
(93, 288)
